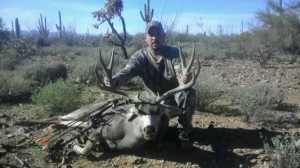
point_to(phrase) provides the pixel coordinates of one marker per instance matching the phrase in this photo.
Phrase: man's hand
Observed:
(108, 83)
(184, 77)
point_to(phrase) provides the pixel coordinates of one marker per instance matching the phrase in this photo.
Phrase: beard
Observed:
(156, 47)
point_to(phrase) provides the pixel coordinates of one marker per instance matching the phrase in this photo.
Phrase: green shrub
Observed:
(33, 71)
(8, 59)
(284, 152)
(14, 89)
(255, 99)
(59, 97)
(84, 69)
(57, 50)
(208, 90)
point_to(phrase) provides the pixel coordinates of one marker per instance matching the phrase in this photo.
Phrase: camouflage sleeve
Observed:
(131, 70)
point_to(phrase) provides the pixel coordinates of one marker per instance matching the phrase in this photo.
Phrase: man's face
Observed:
(155, 38)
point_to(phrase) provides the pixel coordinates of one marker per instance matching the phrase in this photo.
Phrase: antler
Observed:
(185, 69)
(108, 72)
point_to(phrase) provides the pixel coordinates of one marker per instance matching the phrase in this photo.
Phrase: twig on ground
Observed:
(23, 163)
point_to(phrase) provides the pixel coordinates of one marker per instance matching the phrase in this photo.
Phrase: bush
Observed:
(84, 70)
(208, 90)
(33, 71)
(59, 97)
(14, 89)
(8, 59)
(4, 37)
(42, 74)
(284, 151)
(255, 99)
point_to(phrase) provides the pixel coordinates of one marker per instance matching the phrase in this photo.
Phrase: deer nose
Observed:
(149, 130)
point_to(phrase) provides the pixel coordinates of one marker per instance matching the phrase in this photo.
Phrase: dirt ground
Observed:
(220, 139)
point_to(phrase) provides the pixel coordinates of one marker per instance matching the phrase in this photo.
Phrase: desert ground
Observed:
(222, 138)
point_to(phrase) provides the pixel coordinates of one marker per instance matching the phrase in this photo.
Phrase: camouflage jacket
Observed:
(158, 76)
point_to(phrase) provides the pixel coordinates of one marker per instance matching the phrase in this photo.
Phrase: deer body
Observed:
(126, 127)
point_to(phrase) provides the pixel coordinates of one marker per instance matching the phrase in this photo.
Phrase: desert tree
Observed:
(281, 23)
(169, 22)
(112, 9)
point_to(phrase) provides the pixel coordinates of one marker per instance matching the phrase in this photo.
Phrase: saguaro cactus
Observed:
(43, 31)
(187, 29)
(12, 29)
(280, 7)
(148, 15)
(18, 28)
(59, 27)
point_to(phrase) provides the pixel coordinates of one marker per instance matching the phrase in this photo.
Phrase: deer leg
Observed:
(90, 144)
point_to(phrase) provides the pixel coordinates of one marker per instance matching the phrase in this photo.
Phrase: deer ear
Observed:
(132, 114)
(132, 117)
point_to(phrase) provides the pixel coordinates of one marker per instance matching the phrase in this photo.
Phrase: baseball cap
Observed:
(154, 23)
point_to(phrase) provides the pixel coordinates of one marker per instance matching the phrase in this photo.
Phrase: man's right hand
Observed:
(107, 82)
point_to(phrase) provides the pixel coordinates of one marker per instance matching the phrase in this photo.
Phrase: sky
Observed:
(198, 15)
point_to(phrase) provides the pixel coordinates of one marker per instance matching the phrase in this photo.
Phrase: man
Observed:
(157, 65)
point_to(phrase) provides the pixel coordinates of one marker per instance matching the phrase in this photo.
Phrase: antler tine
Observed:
(108, 72)
(185, 68)
(183, 86)
(192, 60)
(183, 63)
(111, 63)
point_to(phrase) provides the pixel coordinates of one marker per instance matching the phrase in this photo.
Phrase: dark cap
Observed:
(154, 23)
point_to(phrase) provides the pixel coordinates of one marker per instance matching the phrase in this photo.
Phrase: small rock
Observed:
(253, 161)
(237, 150)
(3, 150)
(10, 135)
(3, 125)
(195, 166)
(259, 151)
(288, 118)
